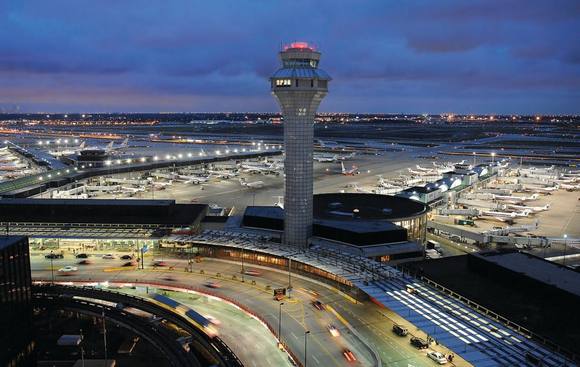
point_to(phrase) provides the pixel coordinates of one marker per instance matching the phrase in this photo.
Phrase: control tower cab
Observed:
(299, 87)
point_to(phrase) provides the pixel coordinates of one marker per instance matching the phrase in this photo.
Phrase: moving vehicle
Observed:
(85, 262)
(54, 256)
(419, 343)
(68, 269)
(82, 256)
(109, 256)
(212, 285)
(348, 355)
(437, 357)
(213, 320)
(333, 330)
(126, 257)
(252, 272)
(318, 305)
(159, 263)
(400, 330)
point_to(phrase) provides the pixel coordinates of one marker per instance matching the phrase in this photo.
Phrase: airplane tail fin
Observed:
(125, 143)
(83, 144)
(109, 146)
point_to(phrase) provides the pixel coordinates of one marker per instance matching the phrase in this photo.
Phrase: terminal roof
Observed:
(544, 271)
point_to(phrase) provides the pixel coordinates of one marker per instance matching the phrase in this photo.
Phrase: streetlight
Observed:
(280, 323)
(565, 247)
(51, 266)
(492, 157)
(305, 344)
(243, 271)
(473, 159)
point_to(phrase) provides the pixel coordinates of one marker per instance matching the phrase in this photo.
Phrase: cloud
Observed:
(219, 54)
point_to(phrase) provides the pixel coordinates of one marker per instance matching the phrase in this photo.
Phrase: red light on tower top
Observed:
(300, 46)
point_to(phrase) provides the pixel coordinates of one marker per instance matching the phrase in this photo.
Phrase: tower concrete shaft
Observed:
(299, 87)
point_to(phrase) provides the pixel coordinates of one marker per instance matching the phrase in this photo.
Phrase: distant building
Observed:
(15, 303)
(299, 87)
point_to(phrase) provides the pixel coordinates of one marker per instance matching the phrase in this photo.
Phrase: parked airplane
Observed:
(325, 158)
(222, 174)
(568, 187)
(253, 185)
(196, 180)
(424, 169)
(68, 150)
(351, 172)
(280, 202)
(516, 199)
(543, 190)
(534, 209)
(265, 168)
(110, 147)
(504, 216)
(133, 190)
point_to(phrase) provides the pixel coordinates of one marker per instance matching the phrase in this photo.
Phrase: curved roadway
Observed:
(372, 323)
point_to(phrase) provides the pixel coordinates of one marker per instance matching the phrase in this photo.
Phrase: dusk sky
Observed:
(464, 56)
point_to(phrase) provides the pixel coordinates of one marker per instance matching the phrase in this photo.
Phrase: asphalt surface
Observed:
(251, 342)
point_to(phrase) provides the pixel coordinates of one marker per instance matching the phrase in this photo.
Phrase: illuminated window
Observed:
(283, 82)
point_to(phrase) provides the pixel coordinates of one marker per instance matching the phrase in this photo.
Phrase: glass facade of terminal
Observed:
(416, 228)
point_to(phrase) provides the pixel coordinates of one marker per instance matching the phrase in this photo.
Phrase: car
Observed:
(127, 257)
(348, 355)
(130, 263)
(400, 330)
(419, 343)
(437, 357)
(252, 272)
(85, 262)
(68, 269)
(54, 256)
(213, 320)
(212, 285)
(333, 330)
(109, 256)
(318, 305)
(159, 263)
(82, 256)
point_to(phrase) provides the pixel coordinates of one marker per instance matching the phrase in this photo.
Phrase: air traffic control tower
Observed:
(299, 87)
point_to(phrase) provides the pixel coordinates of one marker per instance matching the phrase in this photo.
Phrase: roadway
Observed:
(372, 323)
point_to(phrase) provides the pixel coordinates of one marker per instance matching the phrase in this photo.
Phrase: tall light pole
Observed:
(473, 159)
(243, 270)
(305, 344)
(280, 323)
(51, 266)
(492, 157)
(565, 247)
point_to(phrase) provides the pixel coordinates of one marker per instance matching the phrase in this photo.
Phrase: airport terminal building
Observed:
(54, 223)
(386, 228)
